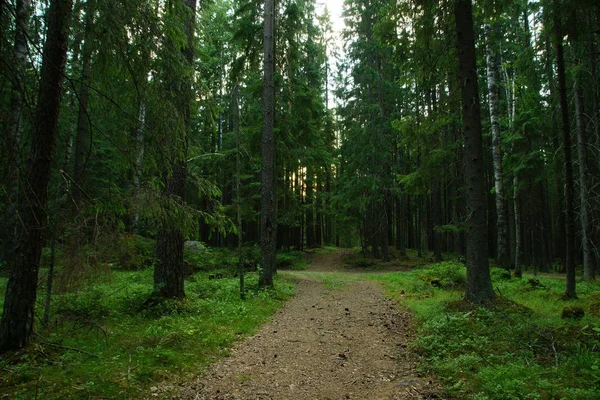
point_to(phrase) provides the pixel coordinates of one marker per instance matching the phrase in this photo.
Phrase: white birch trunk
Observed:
(501, 228)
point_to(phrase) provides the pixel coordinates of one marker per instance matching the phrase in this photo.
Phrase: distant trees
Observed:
(527, 215)
(188, 107)
(369, 104)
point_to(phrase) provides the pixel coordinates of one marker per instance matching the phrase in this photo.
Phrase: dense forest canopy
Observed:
(468, 130)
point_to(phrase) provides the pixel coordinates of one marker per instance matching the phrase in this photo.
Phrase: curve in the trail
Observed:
(330, 342)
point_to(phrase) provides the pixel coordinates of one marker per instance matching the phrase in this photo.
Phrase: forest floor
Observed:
(338, 338)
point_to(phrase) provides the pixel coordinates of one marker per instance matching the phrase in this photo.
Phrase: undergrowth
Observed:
(103, 342)
(520, 349)
(293, 260)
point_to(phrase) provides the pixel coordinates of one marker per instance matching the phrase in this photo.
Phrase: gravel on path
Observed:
(330, 342)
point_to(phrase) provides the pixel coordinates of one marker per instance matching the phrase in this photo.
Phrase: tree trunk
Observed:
(139, 159)
(83, 137)
(168, 272)
(568, 164)
(518, 229)
(558, 224)
(584, 211)
(595, 59)
(502, 259)
(436, 205)
(479, 285)
(310, 217)
(23, 16)
(383, 228)
(238, 186)
(13, 127)
(17, 322)
(419, 225)
(268, 212)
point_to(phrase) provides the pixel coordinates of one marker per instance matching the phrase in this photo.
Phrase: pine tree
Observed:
(168, 272)
(268, 211)
(17, 322)
(479, 284)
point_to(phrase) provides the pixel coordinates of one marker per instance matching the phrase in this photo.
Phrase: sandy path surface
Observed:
(329, 342)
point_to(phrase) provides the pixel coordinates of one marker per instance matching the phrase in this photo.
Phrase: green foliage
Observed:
(222, 260)
(499, 274)
(130, 346)
(445, 274)
(520, 350)
(336, 281)
(292, 260)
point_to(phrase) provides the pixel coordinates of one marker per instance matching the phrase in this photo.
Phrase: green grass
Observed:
(334, 281)
(520, 350)
(124, 347)
(324, 250)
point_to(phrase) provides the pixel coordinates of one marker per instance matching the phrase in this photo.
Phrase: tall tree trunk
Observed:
(139, 159)
(558, 224)
(83, 137)
(23, 17)
(310, 217)
(436, 213)
(419, 225)
(518, 228)
(238, 186)
(268, 212)
(328, 216)
(168, 272)
(568, 164)
(319, 214)
(479, 285)
(595, 59)
(584, 210)
(383, 228)
(502, 259)
(17, 322)
(13, 128)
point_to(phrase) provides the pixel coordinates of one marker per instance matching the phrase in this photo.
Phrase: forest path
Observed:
(337, 339)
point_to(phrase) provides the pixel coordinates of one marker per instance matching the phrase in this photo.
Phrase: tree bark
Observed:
(502, 259)
(83, 137)
(268, 212)
(168, 273)
(310, 217)
(584, 207)
(23, 16)
(558, 224)
(479, 285)
(568, 164)
(13, 128)
(139, 160)
(238, 186)
(518, 228)
(17, 322)
(436, 205)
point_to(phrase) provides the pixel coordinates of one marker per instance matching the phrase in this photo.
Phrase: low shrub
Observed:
(444, 275)
(292, 260)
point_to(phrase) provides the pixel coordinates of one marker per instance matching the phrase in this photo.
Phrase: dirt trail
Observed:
(329, 342)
